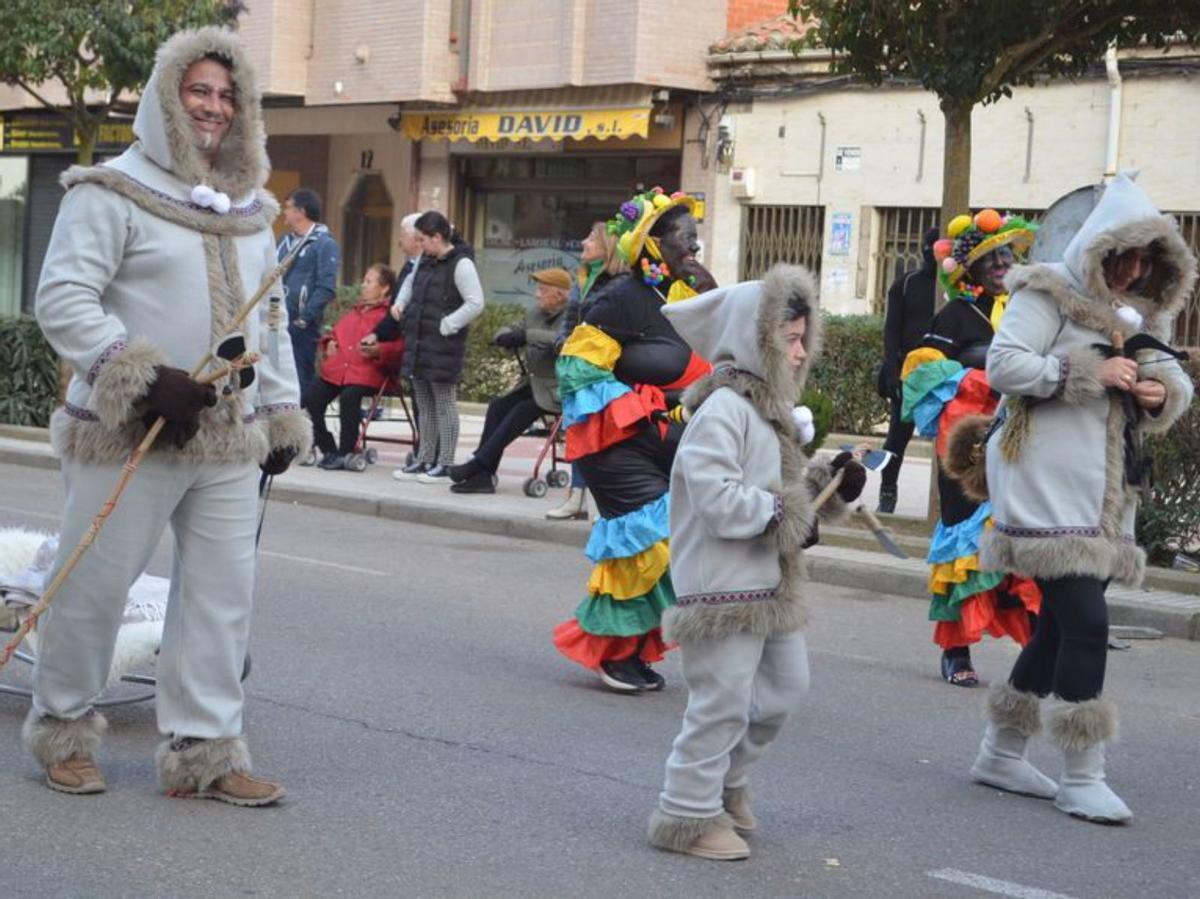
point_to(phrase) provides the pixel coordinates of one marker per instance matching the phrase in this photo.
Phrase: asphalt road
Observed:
(434, 744)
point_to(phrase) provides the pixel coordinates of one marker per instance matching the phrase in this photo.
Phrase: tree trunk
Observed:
(956, 165)
(88, 133)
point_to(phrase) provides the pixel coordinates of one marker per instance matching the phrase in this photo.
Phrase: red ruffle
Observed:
(617, 421)
(589, 650)
(974, 397)
(981, 614)
(697, 368)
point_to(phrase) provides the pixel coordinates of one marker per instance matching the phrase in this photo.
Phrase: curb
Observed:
(841, 560)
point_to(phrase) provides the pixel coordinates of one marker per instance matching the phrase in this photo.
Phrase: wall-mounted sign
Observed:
(848, 159)
(553, 124)
(31, 132)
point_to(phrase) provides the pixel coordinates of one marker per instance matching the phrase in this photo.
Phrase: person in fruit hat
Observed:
(943, 381)
(619, 372)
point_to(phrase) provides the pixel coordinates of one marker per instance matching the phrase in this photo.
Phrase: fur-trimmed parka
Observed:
(1056, 471)
(137, 274)
(741, 486)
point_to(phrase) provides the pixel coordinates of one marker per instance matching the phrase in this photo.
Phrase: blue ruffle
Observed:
(590, 399)
(960, 540)
(927, 412)
(629, 534)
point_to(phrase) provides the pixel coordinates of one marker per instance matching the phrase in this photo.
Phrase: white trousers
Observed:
(741, 690)
(212, 513)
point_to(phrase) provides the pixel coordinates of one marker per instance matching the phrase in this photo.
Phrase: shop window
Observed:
(14, 190)
(771, 234)
(367, 227)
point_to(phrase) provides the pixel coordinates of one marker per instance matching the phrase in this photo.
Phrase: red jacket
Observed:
(348, 366)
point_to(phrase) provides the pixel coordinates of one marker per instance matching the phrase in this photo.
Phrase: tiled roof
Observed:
(770, 34)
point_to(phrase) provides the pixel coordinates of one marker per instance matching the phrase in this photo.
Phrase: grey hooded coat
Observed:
(1056, 470)
(741, 485)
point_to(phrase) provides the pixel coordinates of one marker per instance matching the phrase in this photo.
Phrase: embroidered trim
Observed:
(1048, 532)
(113, 349)
(79, 413)
(249, 419)
(722, 599)
(278, 408)
(252, 208)
(1064, 374)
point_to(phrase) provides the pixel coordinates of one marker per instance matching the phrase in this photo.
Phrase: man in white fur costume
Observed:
(741, 512)
(151, 257)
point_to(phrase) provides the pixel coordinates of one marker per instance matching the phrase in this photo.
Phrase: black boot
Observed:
(887, 499)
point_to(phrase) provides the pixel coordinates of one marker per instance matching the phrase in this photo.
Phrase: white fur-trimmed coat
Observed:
(1055, 471)
(138, 275)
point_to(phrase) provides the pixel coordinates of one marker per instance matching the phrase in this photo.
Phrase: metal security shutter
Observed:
(44, 198)
(1187, 326)
(773, 234)
(900, 232)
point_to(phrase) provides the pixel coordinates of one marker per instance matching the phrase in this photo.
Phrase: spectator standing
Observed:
(312, 280)
(440, 300)
(352, 368)
(909, 313)
(508, 416)
(599, 263)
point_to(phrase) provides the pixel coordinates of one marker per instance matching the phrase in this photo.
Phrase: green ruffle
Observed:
(574, 374)
(922, 380)
(945, 607)
(607, 617)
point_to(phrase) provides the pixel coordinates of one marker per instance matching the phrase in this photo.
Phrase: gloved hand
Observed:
(278, 460)
(805, 428)
(854, 476)
(178, 398)
(509, 338)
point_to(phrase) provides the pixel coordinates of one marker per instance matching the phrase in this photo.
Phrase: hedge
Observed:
(28, 373)
(1169, 515)
(845, 373)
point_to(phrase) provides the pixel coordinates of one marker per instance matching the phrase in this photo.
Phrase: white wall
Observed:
(1160, 135)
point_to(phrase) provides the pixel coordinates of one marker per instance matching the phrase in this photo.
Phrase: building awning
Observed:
(619, 111)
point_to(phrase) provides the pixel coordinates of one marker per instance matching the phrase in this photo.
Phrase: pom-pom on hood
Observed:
(740, 327)
(165, 134)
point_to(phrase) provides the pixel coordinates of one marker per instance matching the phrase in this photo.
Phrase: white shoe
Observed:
(574, 507)
(1001, 763)
(409, 472)
(1083, 791)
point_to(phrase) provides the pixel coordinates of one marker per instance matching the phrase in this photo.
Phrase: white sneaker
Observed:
(409, 472)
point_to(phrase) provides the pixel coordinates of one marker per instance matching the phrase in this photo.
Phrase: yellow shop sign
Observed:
(551, 124)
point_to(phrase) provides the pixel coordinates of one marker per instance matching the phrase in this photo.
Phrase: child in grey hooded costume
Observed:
(151, 258)
(741, 511)
(1060, 480)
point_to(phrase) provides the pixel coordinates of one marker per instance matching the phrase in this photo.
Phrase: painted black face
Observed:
(680, 242)
(988, 271)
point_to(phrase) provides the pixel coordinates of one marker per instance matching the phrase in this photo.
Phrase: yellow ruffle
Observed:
(944, 575)
(589, 343)
(680, 291)
(918, 357)
(630, 577)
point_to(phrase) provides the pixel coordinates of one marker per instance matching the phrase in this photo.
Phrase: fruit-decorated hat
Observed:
(969, 239)
(637, 216)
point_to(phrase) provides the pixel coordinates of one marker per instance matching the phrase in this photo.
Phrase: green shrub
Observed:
(28, 374)
(1169, 514)
(489, 370)
(846, 371)
(821, 407)
(345, 297)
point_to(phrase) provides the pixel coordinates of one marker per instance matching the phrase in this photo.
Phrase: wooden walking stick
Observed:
(135, 457)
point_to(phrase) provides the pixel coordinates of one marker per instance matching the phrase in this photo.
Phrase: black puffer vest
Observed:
(428, 355)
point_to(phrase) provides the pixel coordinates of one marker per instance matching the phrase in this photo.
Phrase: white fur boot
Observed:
(1012, 719)
(573, 507)
(1081, 729)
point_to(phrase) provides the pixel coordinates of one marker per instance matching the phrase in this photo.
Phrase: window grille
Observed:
(773, 234)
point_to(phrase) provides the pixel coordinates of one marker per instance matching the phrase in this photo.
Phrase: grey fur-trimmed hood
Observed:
(1124, 218)
(162, 127)
(739, 328)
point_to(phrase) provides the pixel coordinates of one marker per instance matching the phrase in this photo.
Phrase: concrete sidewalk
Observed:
(846, 557)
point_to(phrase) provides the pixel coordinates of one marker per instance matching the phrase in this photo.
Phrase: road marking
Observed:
(357, 569)
(30, 512)
(991, 885)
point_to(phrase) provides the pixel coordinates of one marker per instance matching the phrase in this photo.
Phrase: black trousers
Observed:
(317, 399)
(508, 417)
(1069, 650)
(898, 435)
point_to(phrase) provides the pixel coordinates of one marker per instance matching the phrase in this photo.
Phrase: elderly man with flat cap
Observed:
(509, 416)
(153, 256)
